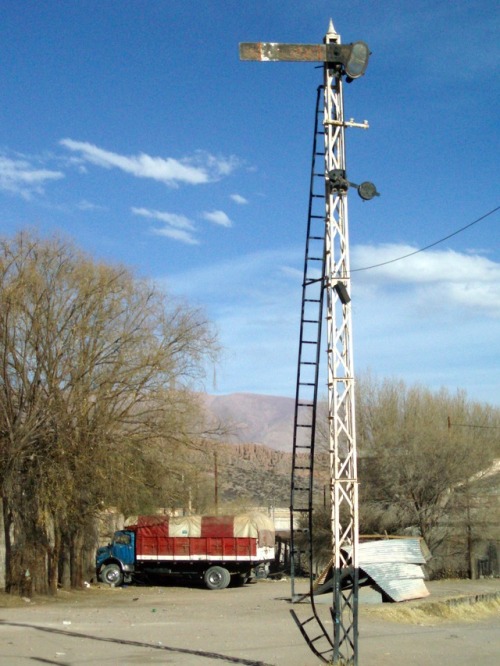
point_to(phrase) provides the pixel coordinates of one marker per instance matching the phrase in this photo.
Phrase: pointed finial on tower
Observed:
(331, 29)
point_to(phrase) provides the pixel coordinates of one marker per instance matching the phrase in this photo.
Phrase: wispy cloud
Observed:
(177, 227)
(237, 198)
(438, 279)
(254, 300)
(418, 319)
(176, 234)
(218, 165)
(88, 205)
(20, 176)
(217, 217)
(173, 219)
(197, 170)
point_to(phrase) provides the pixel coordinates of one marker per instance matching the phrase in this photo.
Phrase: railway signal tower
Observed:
(327, 281)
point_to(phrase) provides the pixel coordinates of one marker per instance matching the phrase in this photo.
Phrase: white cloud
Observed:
(176, 227)
(427, 266)
(438, 280)
(176, 234)
(237, 198)
(217, 217)
(19, 176)
(172, 219)
(202, 168)
(219, 165)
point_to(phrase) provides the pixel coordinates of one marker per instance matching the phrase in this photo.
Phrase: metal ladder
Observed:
(306, 397)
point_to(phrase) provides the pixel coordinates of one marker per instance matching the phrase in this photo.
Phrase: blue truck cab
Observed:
(115, 562)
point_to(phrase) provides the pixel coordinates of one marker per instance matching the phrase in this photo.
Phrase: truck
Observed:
(217, 550)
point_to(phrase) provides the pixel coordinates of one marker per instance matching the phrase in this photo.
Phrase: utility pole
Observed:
(216, 484)
(349, 61)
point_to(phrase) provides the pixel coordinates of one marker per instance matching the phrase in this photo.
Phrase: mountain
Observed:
(256, 419)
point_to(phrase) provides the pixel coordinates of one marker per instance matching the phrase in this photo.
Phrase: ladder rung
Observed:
(313, 640)
(308, 620)
(304, 425)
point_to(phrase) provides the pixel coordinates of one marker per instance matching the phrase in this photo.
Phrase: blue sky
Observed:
(133, 127)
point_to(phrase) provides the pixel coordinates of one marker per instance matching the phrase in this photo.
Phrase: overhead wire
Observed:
(427, 247)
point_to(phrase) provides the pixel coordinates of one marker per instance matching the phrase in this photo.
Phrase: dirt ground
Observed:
(251, 625)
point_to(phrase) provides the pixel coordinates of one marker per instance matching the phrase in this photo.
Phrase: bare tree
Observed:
(96, 398)
(413, 463)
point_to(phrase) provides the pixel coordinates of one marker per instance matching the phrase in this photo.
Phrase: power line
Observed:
(470, 425)
(427, 247)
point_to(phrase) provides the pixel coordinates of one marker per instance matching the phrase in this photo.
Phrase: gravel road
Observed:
(250, 626)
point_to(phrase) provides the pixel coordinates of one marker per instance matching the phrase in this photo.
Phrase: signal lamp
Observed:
(353, 57)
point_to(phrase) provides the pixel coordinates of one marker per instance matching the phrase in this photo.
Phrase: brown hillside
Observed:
(258, 419)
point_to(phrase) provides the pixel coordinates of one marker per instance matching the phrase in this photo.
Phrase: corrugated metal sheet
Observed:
(390, 570)
(401, 589)
(394, 567)
(391, 550)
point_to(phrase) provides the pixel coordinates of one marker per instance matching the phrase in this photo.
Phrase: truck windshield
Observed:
(122, 539)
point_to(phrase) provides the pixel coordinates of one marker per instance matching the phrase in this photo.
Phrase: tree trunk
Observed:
(53, 562)
(75, 559)
(7, 523)
(470, 549)
(28, 570)
(64, 564)
(26, 545)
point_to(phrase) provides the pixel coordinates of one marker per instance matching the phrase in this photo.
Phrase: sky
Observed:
(132, 127)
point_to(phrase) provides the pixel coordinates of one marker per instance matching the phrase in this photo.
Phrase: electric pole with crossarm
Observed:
(327, 280)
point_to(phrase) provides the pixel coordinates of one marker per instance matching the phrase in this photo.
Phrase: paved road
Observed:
(249, 626)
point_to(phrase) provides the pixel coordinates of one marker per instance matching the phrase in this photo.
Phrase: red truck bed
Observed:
(207, 538)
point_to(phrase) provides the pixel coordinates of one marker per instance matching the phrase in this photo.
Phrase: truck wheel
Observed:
(112, 575)
(217, 578)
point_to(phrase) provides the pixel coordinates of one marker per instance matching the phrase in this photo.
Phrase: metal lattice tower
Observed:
(327, 279)
(342, 436)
